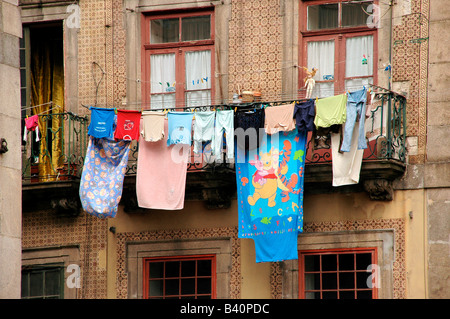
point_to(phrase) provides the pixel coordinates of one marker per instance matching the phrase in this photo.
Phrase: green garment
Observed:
(331, 110)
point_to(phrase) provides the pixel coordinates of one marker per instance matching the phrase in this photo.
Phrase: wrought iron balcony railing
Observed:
(59, 152)
(59, 155)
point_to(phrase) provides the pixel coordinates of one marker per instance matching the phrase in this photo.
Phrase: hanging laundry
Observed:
(102, 122)
(180, 128)
(102, 178)
(331, 110)
(270, 195)
(224, 125)
(31, 124)
(152, 128)
(203, 129)
(127, 127)
(304, 113)
(279, 118)
(161, 174)
(346, 166)
(249, 128)
(356, 112)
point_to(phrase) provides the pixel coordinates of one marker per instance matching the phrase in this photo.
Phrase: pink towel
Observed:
(161, 173)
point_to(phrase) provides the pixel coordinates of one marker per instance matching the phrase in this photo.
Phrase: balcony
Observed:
(52, 167)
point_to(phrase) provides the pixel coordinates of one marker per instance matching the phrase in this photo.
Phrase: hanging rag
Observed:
(279, 118)
(161, 174)
(304, 113)
(346, 166)
(102, 178)
(249, 128)
(356, 112)
(102, 122)
(331, 110)
(152, 126)
(31, 124)
(127, 127)
(270, 195)
(203, 129)
(224, 125)
(179, 128)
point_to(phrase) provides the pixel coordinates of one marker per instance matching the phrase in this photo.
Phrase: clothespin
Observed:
(317, 99)
(235, 109)
(115, 110)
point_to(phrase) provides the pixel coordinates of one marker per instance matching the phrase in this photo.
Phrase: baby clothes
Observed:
(279, 118)
(127, 125)
(356, 111)
(152, 129)
(224, 124)
(203, 128)
(331, 110)
(304, 113)
(102, 122)
(180, 128)
(31, 124)
(249, 128)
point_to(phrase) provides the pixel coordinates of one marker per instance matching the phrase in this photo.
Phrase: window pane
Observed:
(24, 285)
(312, 281)
(196, 28)
(172, 286)
(156, 288)
(164, 30)
(52, 282)
(364, 294)
(329, 295)
(329, 281)
(363, 261)
(320, 55)
(204, 268)
(188, 286)
(353, 14)
(329, 262)
(346, 280)
(346, 262)
(204, 286)
(361, 280)
(346, 295)
(359, 56)
(36, 284)
(312, 295)
(324, 16)
(163, 101)
(188, 268)
(312, 263)
(162, 68)
(156, 270)
(172, 269)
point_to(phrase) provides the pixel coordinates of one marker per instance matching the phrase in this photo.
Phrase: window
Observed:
(337, 274)
(179, 277)
(338, 42)
(43, 282)
(178, 59)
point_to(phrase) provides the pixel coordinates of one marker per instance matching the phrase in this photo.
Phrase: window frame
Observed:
(43, 268)
(339, 35)
(177, 48)
(335, 251)
(146, 277)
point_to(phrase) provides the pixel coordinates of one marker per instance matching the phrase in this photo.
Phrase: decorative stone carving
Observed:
(379, 189)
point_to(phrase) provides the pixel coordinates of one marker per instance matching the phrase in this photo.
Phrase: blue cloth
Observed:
(180, 128)
(101, 182)
(270, 194)
(304, 114)
(356, 111)
(102, 122)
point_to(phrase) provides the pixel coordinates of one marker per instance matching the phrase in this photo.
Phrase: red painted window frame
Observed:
(339, 35)
(301, 268)
(178, 48)
(213, 276)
